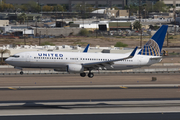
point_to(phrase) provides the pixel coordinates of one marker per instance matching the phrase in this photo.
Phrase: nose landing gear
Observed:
(21, 72)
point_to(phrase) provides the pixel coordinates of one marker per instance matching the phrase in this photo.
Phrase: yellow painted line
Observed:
(12, 88)
(123, 87)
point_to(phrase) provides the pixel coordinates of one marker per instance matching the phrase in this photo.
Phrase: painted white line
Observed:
(97, 86)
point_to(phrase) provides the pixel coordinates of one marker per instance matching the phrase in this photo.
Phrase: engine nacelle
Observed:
(73, 68)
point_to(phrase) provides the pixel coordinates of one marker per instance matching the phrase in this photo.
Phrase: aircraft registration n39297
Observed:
(75, 62)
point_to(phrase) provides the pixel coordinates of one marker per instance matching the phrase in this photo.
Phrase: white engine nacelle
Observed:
(73, 68)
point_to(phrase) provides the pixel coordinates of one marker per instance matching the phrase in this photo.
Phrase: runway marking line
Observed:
(11, 88)
(123, 87)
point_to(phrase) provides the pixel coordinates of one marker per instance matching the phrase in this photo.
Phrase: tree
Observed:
(2, 53)
(48, 8)
(5, 7)
(132, 8)
(58, 8)
(160, 6)
(34, 6)
(80, 7)
(22, 18)
(89, 9)
(24, 7)
(137, 25)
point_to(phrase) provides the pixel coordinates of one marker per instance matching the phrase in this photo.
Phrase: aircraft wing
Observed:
(110, 62)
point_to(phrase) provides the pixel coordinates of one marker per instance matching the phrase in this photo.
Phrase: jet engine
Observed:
(74, 68)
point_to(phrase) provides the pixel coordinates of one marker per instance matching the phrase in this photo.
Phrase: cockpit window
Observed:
(16, 56)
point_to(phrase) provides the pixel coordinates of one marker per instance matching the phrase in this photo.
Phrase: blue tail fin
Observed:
(86, 49)
(154, 46)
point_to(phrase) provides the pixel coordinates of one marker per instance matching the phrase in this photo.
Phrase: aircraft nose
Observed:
(7, 60)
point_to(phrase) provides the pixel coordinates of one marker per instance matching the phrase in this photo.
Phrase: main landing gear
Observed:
(83, 74)
(90, 74)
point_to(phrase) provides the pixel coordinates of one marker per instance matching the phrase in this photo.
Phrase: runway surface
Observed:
(92, 110)
(102, 79)
(145, 116)
(104, 97)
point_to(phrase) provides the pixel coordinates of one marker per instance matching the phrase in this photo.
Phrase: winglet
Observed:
(133, 53)
(86, 49)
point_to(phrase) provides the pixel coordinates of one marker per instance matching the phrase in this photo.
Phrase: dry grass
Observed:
(132, 41)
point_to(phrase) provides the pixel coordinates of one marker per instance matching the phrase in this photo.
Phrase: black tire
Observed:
(90, 75)
(21, 73)
(83, 74)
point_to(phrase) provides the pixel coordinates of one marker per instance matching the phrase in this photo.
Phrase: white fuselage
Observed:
(60, 60)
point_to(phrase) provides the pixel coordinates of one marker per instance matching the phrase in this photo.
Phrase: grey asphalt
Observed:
(160, 109)
(94, 87)
(125, 116)
(44, 103)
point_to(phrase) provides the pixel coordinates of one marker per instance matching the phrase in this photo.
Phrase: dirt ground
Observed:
(131, 41)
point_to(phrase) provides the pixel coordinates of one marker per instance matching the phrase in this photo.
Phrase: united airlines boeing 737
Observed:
(73, 62)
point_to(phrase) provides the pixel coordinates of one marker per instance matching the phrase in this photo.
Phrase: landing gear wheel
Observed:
(82, 74)
(90, 75)
(21, 73)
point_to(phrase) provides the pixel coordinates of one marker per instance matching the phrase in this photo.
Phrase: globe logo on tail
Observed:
(150, 48)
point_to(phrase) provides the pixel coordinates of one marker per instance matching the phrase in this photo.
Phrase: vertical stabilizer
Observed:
(154, 46)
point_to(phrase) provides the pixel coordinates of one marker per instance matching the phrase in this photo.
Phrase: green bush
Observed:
(171, 37)
(120, 44)
(47, 43)
(84, 32)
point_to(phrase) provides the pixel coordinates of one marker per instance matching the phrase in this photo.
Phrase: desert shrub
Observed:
(47, 43)
(84, 32)
(120, 44)
(171, 37)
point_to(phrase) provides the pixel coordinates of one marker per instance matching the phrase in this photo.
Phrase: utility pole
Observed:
(140, 23)
(39, 38)
(96, 22)
(36, 26)
(24, 38)
(129, 13)
(174, 12)
(167, 39)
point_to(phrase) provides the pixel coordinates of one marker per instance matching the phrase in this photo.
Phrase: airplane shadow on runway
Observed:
(42, 106)
(32, 105)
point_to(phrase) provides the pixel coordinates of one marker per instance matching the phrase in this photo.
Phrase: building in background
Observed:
(171, 3)
(136, 2)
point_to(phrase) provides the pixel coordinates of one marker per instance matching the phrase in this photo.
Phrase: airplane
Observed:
(75, 62)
